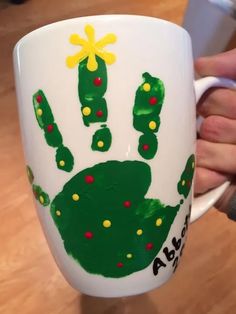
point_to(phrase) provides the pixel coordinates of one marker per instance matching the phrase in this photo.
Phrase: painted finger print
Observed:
(92, 82)
(185, 182)
(52, 134)
(40, 195)
(146, 114)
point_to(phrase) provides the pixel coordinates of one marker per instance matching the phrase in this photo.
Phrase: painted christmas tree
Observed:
(92, 82)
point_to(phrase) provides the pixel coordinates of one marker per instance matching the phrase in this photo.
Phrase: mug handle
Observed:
(204, 202)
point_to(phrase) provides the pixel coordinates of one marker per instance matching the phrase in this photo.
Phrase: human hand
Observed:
(216, 145)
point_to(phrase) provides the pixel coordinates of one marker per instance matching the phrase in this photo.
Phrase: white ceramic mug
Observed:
(109, 140)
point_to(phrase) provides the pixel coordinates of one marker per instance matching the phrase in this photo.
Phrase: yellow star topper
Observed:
(91, 49)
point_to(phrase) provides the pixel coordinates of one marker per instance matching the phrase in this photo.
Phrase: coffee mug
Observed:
(108, 120)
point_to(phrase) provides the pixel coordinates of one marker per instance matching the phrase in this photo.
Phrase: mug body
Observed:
(107, 114)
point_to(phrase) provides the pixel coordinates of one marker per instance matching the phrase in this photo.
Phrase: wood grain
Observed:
(30, 282)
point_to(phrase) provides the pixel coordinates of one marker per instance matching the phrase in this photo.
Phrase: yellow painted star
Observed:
(91, 49)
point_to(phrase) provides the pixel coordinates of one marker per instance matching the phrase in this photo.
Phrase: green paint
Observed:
(40, 195)
(148, 207)
(101, 136)
(53, 137)
(97, 107)
(147, 107)
(142, 105)
(64, 159)
(102, 250)
(30, 174)
(141, 123)
(46, 117)
(150, 140)
(185, 182)
(91, 88)
(87, 90)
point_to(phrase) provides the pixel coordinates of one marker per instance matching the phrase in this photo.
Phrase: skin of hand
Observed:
(216, 144)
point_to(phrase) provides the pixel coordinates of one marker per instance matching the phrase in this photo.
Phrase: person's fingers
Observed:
(206, 179)
(218, 129)
(218, 65)
(218, 101)
(216, 156)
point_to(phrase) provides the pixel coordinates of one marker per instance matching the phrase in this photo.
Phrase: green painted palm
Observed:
(105, 221)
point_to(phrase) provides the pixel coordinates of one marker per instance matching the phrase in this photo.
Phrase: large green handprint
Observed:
(104, 219)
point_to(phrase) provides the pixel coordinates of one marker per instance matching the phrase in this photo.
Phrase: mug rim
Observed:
(47, 27)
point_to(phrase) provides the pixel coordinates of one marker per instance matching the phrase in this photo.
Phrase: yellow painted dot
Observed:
(58, 213)
(41, 199)
(106, 223)
(183, 182)
(146, 87)
(86, 111)
(75, 197)
(139, 232)
(129, 255)
(100, 144)
(193, 164)
(158, 222)
(152, 125)
(39, 112)
(62, 163)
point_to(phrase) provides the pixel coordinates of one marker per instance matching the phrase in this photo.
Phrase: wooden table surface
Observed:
(30, 281)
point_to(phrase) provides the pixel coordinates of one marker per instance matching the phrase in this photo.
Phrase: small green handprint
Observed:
(104, 219)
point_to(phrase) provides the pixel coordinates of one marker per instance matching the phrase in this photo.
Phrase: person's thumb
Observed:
(223, 64)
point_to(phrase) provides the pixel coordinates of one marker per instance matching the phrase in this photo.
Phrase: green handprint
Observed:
(105, 222)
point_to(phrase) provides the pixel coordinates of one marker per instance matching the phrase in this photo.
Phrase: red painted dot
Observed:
(89, 179)
(120, 264)
(127, 203)
(145, 147)
(50, 128)
(39, 99)
(99, 113)
(152, 100)
(97, 81)
(149, 246)
(188, 183)
(88, 235)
